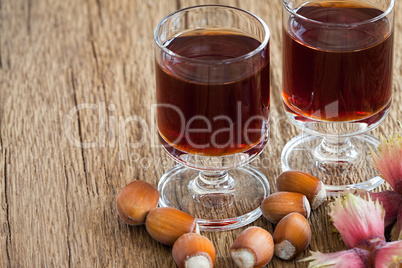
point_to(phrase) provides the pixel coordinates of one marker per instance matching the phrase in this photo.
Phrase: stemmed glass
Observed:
(212, 87)
(337, 85)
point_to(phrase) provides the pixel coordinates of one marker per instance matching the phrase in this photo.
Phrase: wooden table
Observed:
(56, 199)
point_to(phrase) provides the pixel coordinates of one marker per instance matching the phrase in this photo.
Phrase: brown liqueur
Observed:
(337, 74)
(226, 97)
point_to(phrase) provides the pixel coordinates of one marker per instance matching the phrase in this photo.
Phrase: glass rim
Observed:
(212, 62)
(344, 25)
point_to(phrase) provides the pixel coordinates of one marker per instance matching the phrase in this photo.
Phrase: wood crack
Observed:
(94, 55)
(99, 10)
(29, 4)
(93, 49)
(106, 177)
(67, 214)
(8, 63)
(97, 68)
(8, 241)
(178, 4)
(8, 60)
(79, 128)
(107, 180)
(124, 73)
(89, 21)
(1, 137)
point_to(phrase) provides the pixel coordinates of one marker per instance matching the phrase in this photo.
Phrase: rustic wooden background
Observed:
(57, 199)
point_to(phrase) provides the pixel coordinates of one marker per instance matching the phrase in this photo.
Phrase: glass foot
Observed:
(219, 200)
(342, 163)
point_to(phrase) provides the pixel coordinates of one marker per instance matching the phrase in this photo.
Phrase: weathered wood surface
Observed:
(56, 199)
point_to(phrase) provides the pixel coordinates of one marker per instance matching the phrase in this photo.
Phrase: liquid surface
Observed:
(212, 45)
(207, 108)
(337, 73)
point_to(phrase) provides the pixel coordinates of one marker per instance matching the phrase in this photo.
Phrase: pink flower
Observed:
(390, 200)
(359, 221)
(388, 255)
(396, 233)
(388, 161)
(352, 258)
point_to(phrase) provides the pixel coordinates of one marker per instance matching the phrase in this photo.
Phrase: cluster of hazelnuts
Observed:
(289, 208)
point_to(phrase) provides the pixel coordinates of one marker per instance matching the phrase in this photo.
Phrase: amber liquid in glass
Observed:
(333, 73)
(217, 105)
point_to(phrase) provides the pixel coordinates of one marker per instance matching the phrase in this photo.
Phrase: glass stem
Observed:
(212, 182)
(336, 149)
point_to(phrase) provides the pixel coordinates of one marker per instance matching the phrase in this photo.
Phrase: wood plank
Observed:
(112, 71)
(34, 181)
(4, 206)
(57, 200)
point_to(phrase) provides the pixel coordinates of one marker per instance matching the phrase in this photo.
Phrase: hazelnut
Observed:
(278, 205)
(253, 248)
(193, 251)
(292, 235)
(135, 201)
(303, 183)
(167, 224)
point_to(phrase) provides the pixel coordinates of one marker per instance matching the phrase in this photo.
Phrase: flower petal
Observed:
(359, 221)
(388, 160)
(356, 258)
(389, 255)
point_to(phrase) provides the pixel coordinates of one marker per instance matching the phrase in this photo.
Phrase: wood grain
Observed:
(56, 199)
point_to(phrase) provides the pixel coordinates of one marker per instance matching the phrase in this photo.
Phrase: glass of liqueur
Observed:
(213, 95)
(337, 86)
